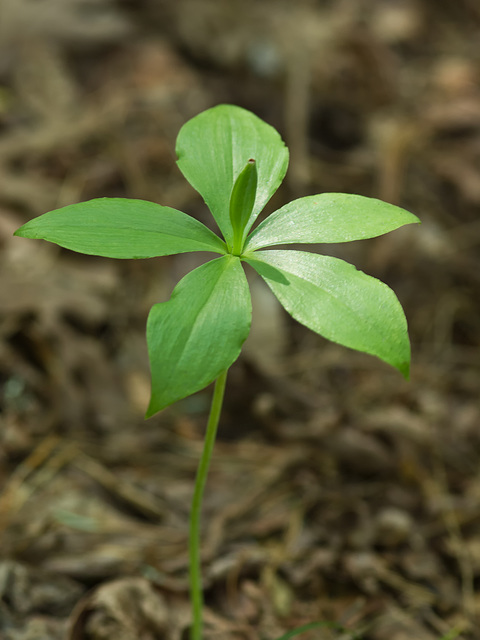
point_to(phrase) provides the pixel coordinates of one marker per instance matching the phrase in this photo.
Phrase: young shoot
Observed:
(237, 162)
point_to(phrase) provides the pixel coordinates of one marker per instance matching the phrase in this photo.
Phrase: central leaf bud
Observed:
(242, 202)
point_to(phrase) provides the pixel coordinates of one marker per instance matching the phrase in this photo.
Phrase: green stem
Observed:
(196, 593)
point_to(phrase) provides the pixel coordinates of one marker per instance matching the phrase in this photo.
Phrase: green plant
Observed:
(236, 162)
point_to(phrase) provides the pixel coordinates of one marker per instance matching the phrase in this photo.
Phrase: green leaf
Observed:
(241, 203)
(329, 217)
(121, 228)
(340, 303)
(197, 334)
(213, 148)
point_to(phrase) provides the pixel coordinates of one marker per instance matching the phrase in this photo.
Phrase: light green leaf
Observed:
(215, 146)
(340, 303)
(197, 334)
(328, 217)
(121, 228)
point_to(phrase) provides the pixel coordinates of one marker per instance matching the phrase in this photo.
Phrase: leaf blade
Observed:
(121, 228)
(198, 333)
(214, 147)
(328, 217)
(334, 299)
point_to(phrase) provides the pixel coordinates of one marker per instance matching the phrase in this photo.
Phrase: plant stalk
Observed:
(195, 569)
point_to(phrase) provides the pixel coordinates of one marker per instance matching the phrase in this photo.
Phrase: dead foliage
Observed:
(338, 491)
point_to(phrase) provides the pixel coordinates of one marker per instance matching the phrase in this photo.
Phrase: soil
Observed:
(338, 492)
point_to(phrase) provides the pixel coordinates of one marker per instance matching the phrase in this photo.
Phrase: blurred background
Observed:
(338, 491)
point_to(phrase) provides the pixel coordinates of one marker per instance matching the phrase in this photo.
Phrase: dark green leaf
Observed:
(241, 203)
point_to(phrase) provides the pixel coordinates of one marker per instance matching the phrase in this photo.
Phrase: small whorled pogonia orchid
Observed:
(236, 162)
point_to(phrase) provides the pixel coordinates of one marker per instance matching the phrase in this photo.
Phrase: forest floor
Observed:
(338, 491)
